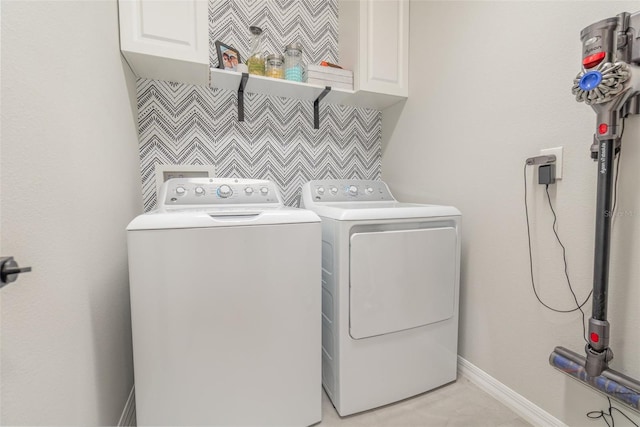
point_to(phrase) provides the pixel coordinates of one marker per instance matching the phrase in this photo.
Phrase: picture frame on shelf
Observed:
(228, 57)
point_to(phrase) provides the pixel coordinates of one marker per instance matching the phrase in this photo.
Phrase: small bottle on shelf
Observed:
(255, 63)
(275, 66)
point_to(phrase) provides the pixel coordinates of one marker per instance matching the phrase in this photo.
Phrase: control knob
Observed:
(224, 191)
(199, 191)
(320, 191)
(180, 191)
(334, 190)
(352, 190)
(264, 191)
(368, 190)
(248, 191)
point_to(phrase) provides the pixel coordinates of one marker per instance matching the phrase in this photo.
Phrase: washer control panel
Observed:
(186, 192)
(349, 190)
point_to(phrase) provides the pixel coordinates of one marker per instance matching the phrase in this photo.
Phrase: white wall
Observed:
(490, 85)
(70, 185)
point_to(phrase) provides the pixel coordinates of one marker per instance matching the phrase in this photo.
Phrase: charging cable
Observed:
(541, 160)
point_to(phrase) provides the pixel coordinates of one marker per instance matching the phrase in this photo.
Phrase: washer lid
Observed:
(221, 217)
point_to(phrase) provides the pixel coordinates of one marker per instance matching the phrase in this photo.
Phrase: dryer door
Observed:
(401, 279)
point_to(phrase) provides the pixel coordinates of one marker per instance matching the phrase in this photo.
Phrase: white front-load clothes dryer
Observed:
(390, 284)
(225, 307)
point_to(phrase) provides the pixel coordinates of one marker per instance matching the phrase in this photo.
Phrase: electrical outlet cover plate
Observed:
(557, 151)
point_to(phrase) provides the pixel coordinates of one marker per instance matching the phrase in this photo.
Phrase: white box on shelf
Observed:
(330, 70)
(333, 84)
(332, 77)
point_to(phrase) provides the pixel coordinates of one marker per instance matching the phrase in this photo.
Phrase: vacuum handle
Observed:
(602, 245)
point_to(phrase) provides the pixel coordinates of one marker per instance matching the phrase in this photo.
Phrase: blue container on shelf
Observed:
(293, 68)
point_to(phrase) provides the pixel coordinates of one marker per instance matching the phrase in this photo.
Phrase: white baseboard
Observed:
(517, 403)
(128, 417)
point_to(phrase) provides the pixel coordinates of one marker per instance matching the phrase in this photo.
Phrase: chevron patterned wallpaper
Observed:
(185, 124)
(312, 23)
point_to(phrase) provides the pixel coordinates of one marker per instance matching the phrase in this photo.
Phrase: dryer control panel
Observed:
(189, 192)
(348, 190)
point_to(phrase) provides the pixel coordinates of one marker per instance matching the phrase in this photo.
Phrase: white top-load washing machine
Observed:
(225, 307)
(390, 283)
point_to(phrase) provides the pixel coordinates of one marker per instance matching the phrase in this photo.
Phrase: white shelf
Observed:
(227, 80)
(284, 88)
(230, 80)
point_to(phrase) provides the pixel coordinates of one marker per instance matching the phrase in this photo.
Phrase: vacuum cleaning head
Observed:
(610, 382)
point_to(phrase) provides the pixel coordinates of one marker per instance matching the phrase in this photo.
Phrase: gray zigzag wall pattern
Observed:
(312, 23)
(186, 124)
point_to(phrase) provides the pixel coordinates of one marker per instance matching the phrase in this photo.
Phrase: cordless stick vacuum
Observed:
(610, 83)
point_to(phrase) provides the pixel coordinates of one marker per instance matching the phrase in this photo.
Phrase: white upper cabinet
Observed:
(166, 39)
(169, 40)
(374, 43)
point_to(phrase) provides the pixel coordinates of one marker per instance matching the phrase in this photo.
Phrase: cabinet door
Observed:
(384, 46)
(167, 39)
(374, 43)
